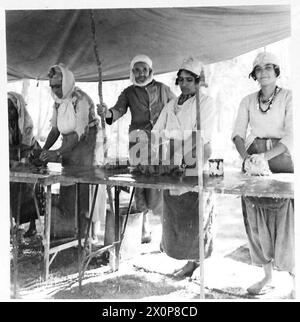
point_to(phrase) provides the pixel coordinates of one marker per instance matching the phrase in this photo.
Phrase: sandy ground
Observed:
(146, 275)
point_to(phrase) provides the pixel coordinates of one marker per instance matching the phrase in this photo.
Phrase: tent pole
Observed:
(93, 27)
(200, 157)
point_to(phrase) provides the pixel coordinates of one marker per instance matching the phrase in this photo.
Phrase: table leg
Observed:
(117, 229)
(127, 214)
(16, 240)
(82, 256)
(15, 256)
(19, 208)
(79, 229)
(36, 205)
(47, 225)
(201, 243)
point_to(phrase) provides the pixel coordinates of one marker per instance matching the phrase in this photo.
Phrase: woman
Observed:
(21, 144)
(269, 222)
(180, 236)
(75, 119)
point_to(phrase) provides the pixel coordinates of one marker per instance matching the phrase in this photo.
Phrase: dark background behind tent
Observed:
(37, 39)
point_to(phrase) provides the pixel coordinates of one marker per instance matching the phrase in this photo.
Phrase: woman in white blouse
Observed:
(75, 119)
(263, 133)
(180, 224)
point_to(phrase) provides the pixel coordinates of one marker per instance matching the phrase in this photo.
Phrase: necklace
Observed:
(269, 101)
(182, 98)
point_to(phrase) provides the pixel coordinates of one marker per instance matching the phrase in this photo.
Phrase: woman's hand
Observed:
(258, 158)
(256, 164)
(49, 156)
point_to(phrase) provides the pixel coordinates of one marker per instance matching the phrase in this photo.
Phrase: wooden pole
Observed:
(200, 157)
(102, 116)
(47, 224)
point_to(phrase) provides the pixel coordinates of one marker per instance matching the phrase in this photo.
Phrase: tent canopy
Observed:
(37, 39)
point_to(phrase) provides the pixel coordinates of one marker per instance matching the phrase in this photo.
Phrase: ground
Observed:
(145, 272)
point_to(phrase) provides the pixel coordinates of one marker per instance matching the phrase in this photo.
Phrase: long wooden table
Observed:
(279, 185)
(233, 182)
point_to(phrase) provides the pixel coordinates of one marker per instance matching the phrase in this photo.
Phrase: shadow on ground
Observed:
(226, 293)
(121, 287)
(30, 265)
(241, 254)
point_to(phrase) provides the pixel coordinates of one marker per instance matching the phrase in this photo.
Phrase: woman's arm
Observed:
(207, 151)
(54, 155)
(240, 128)
(287, 139)
(51, 139)
(278, 149)
(240, 146)
(46, 155)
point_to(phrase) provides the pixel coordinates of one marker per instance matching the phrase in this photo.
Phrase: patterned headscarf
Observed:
(25, 122)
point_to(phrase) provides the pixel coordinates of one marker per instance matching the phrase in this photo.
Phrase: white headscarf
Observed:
(66, 116)
(141, 59)
(265, 58)
(68, 83)
(193, 65)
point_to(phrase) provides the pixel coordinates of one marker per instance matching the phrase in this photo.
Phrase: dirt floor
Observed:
(145, 272)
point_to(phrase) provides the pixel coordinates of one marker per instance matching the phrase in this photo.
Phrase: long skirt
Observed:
(26, 191)
(83, 155)
(28, 211)
(146, 199)
(180, 233)
(269, 226)
(269, 222)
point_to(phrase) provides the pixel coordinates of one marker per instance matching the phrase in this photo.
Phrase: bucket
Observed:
(131, 244)
(216, 167)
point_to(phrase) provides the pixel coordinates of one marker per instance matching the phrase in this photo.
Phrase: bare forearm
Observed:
(51, 139)
(240, 146)
(191, 143)
(207, 152)
(54, 155)
(278, 149)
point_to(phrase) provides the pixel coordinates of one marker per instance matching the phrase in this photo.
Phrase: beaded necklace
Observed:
(268, 101)
(182, 98)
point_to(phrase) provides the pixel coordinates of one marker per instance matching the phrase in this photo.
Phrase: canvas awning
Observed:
(37, 39)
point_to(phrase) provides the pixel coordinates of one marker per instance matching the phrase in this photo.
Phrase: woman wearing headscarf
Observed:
(75, 120)
(180, 228)
(145, 99)
(269, 222)
(21, 145)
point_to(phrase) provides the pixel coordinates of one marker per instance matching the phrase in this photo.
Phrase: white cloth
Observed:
(66, 117)
(175, 119)
(265, 58)
(257, 165)
(276, 123)
(193, 65)
(65, 120)
(141, 59)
